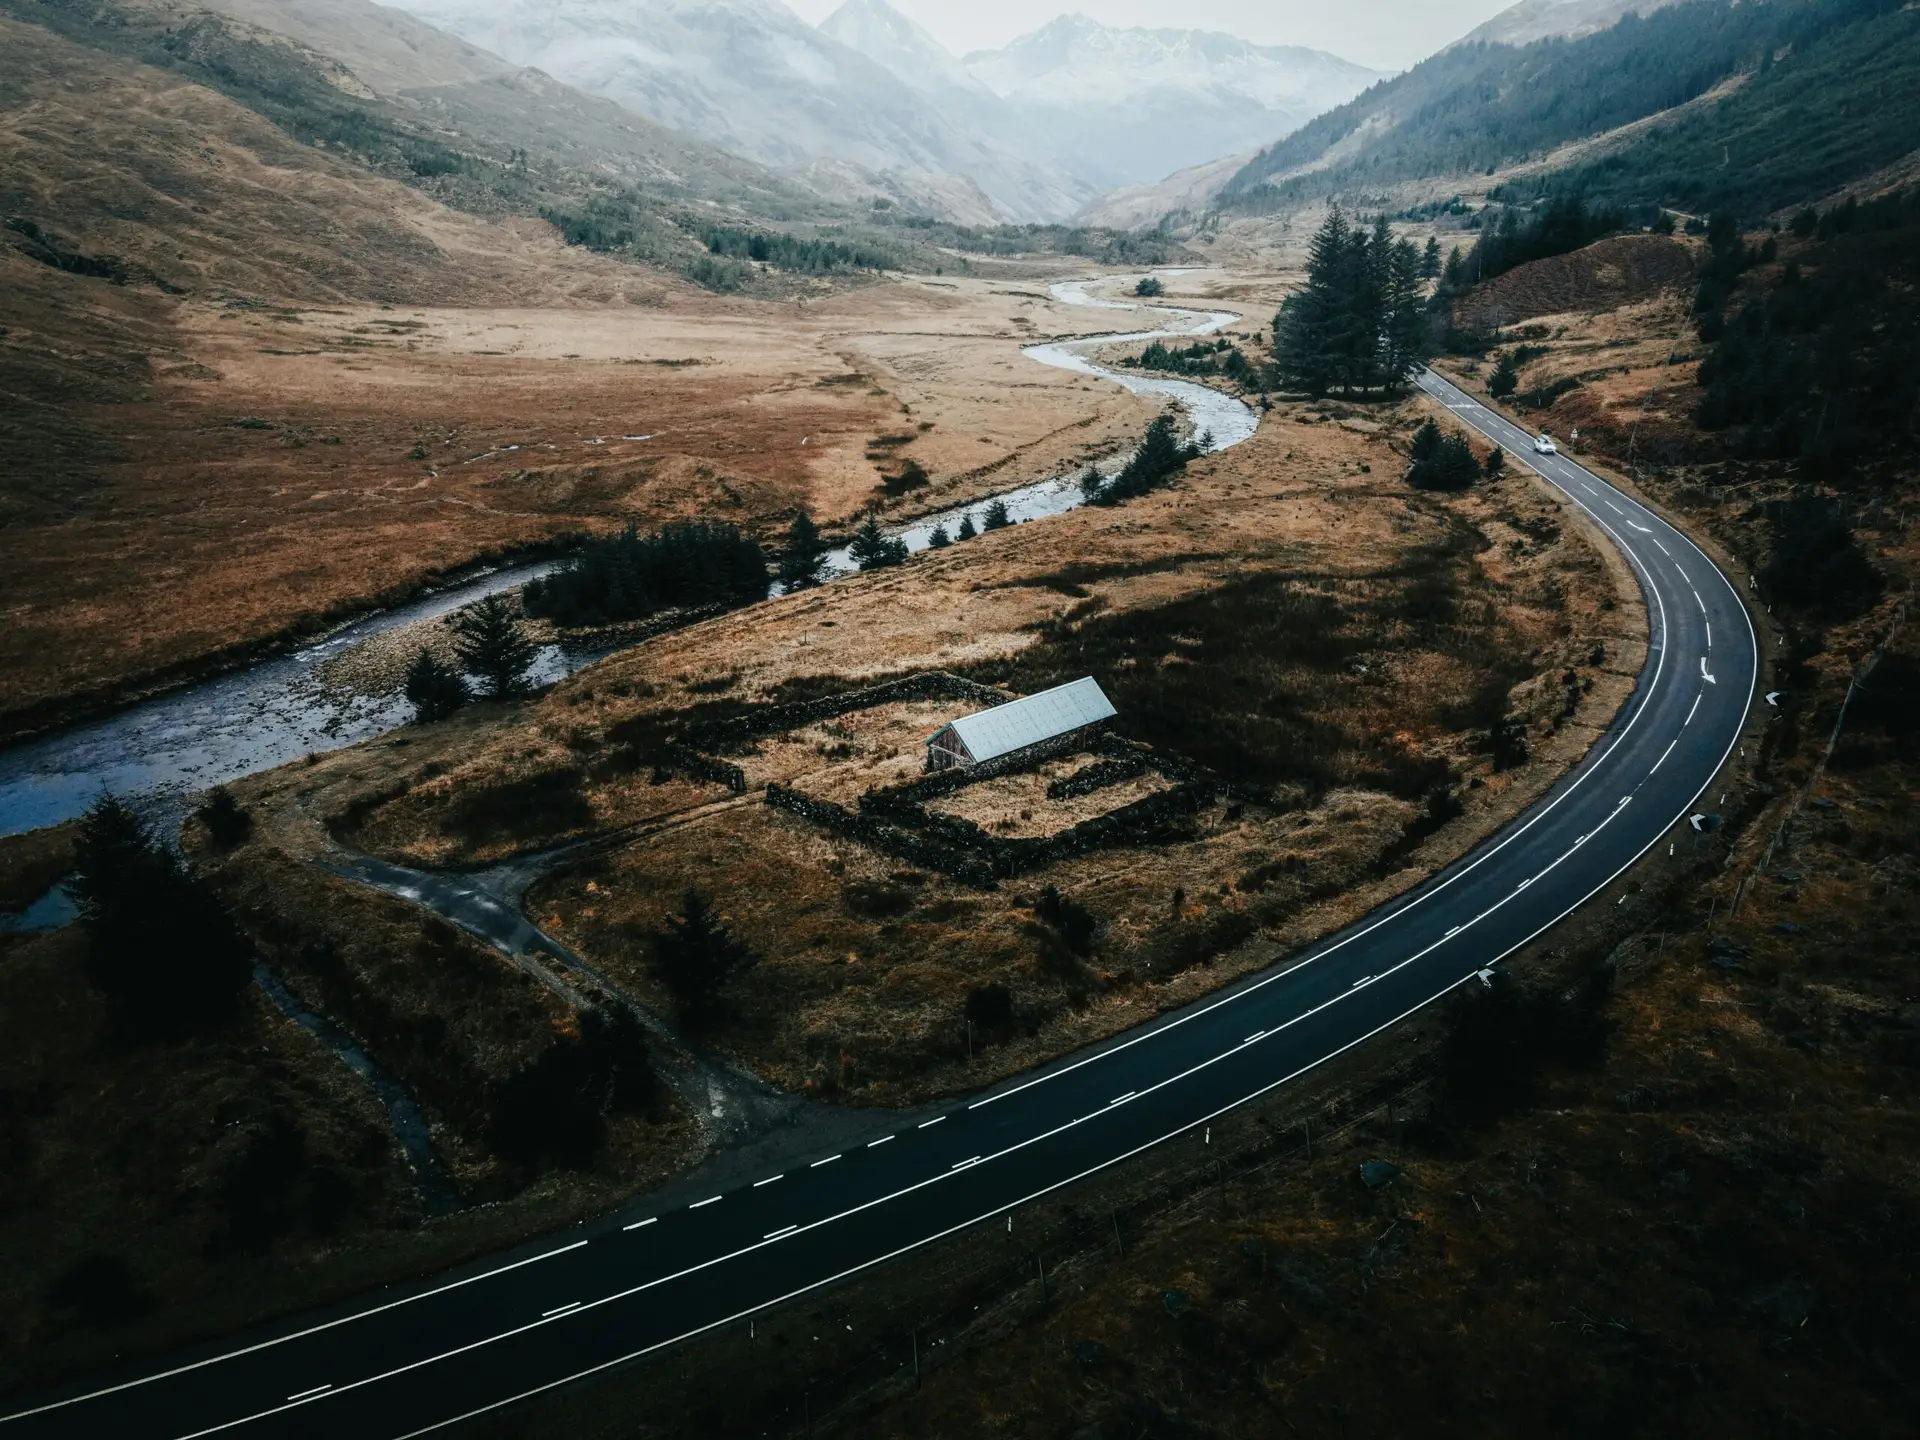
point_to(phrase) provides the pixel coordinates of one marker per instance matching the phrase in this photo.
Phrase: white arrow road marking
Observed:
(1773, 697)
(1485, 977)
(1704, 674)
(1696, 819)
(1638, 526)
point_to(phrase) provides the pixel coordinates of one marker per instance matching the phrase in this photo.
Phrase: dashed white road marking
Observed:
(641, 1224)
(768, 1181)
(316, 1390)
(784, 1230)
(818, 1163)
(881, 1141)
(560, 1309)
(702, 1204)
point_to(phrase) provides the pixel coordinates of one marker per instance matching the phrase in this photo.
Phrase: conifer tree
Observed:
(806, 552)
(435, 688)
(494, 648)
(997, 517)
(872, 549)
(693, 958)
(967, 528)
(939, 539)
(161, 946)
(1505, 379)
(1430, 259)
(1358, 322)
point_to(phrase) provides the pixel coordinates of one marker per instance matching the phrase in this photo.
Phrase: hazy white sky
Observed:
(1386, 34)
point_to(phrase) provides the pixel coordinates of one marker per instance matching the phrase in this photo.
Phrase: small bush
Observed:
(990, 1008)
(227, 824)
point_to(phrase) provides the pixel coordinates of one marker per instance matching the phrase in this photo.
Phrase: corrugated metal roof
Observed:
(1020, 723)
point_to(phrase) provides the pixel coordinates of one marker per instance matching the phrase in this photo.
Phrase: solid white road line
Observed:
(560, 1310)
(317, 1390)
(296, 1335)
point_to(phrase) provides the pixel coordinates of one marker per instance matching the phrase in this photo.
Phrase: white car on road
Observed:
(1543, 444)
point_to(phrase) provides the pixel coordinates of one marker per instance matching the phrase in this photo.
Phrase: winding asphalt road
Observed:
(412, 1359)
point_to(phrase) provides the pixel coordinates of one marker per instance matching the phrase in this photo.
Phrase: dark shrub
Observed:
(161, 946)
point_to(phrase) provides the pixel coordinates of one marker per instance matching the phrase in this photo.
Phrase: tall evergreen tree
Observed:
(494, 648)
(693, 958)
(1357, 323)
(1305, 331)
(873, 549)
(1405, 320)
(1430, 259)
(435, 688)
(1505, 378)
(161, 946)
(806, 552)
(997, 516)
(967, 528)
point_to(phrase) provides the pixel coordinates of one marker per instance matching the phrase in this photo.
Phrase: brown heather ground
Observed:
(1709, 1231)
(1283, 562)
(299, 405)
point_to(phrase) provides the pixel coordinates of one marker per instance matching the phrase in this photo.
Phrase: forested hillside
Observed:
(1821, 91)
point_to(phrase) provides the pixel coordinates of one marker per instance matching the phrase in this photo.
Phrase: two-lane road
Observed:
(412, 1359)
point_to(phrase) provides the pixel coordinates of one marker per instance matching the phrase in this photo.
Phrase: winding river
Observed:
(176, 745)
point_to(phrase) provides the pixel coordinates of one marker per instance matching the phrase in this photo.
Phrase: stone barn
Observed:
(1019, 725)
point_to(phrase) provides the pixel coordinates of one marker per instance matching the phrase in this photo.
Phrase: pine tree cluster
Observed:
(1159, 458)
(1442, 460)
(1819, 359)
(630, 575)
(874, 549)
(1359, 323)
(1219, 357)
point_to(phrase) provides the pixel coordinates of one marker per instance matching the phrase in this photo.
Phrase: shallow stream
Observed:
(164, 750)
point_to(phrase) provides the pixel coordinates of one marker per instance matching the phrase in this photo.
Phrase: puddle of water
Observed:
(174, 746)
(54, 910)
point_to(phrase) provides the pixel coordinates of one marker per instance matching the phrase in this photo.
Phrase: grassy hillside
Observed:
(1822, 100)
(1838, 107)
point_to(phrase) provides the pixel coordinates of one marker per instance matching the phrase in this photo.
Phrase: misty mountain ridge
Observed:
(754, 78)
(1131, 106)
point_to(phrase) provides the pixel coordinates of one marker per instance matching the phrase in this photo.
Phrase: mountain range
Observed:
(1034, 131)
(1123, 107)
(754, 78)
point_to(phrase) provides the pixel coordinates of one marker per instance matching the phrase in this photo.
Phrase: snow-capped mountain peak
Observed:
(1128, 106)
(902, 45)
